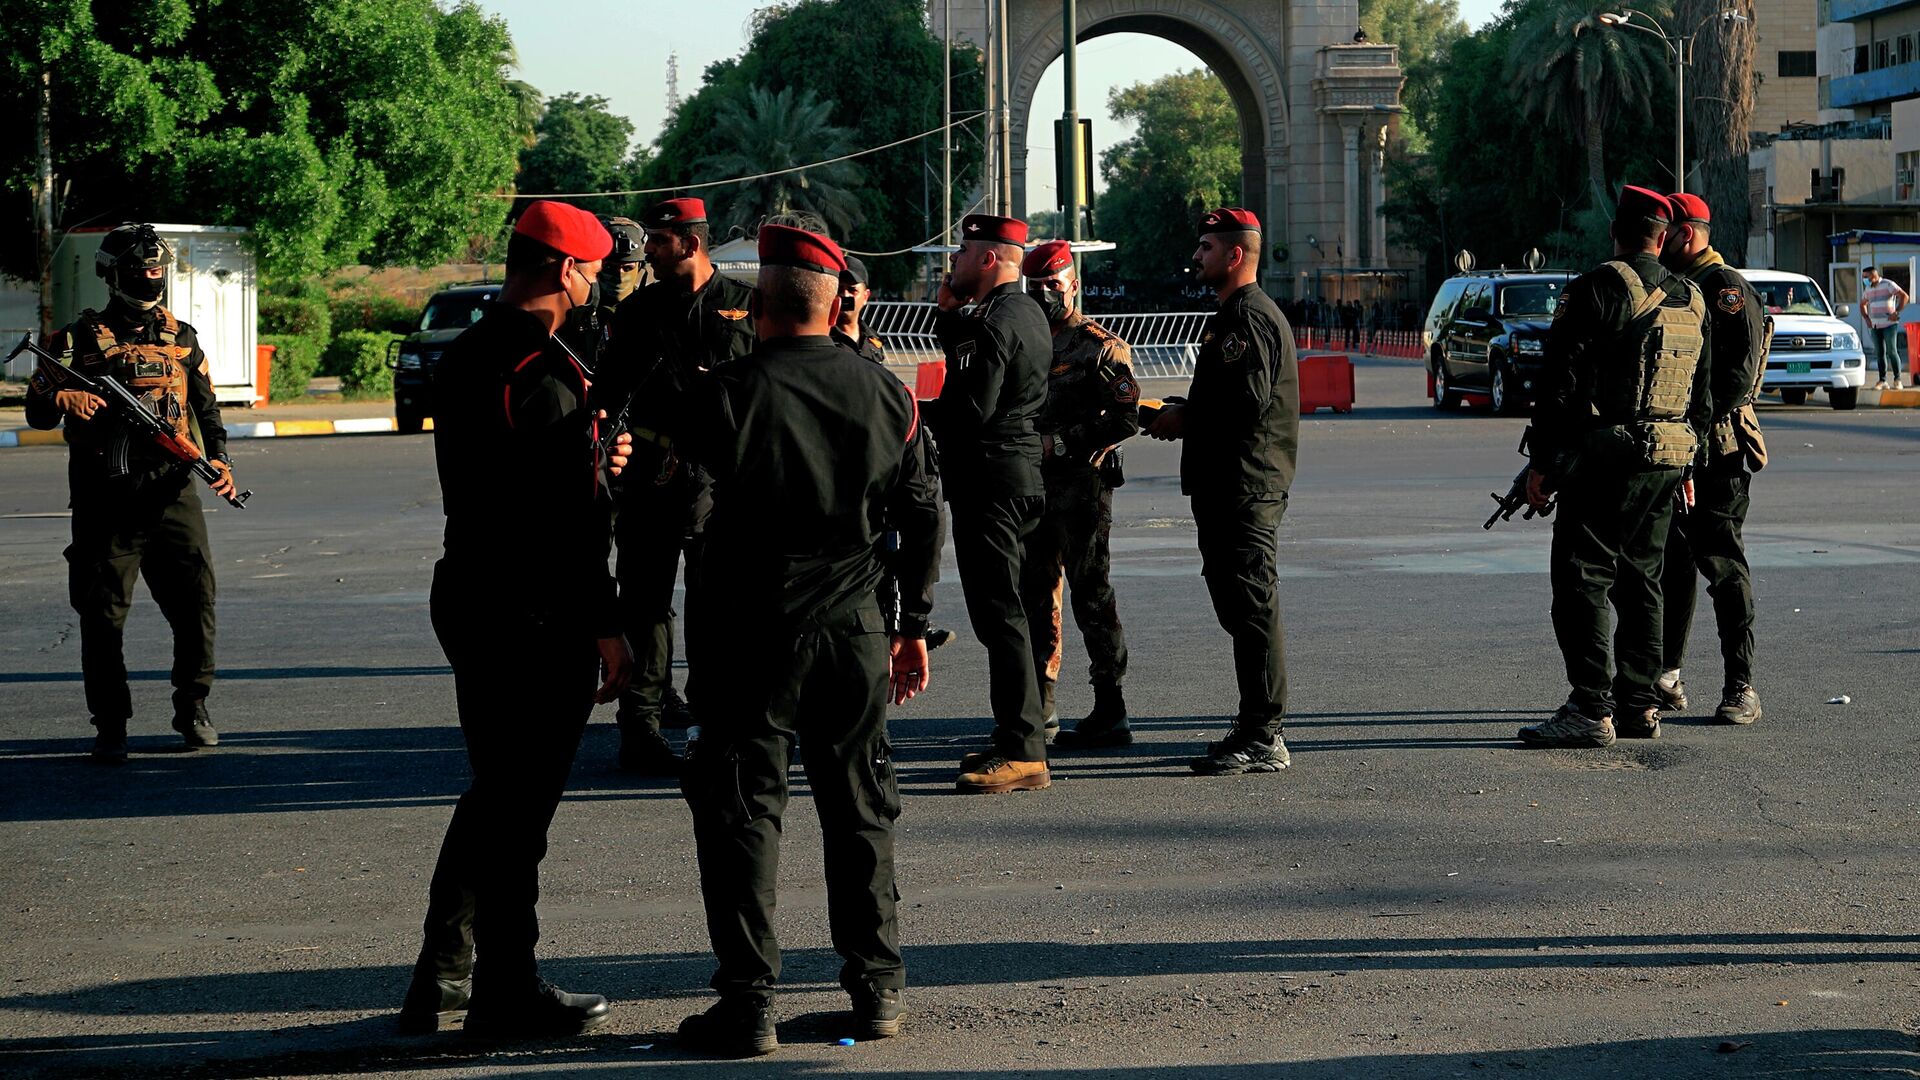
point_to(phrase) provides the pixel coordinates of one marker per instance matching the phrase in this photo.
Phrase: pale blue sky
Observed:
(618, 49)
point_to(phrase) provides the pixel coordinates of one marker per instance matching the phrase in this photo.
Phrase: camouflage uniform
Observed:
(1093, 403)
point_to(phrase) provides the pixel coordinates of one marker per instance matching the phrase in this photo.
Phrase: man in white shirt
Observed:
(1880, 303)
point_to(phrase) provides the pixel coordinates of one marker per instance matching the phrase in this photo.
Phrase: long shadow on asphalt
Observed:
(808, 1050)
(308, 770)
(244, 674)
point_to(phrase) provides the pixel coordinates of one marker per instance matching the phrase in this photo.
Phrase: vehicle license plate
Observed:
(1799, 367)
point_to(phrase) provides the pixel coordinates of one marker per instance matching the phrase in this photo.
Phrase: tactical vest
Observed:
(156, 373)
(1665, 338)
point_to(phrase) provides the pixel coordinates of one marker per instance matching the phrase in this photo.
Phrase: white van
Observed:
(1812, 348)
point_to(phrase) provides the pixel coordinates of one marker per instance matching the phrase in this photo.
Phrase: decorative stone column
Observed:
(1349, 190)
(1377, 249)
(1358, 87)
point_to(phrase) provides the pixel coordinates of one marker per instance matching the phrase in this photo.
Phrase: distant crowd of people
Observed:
(1355, 323)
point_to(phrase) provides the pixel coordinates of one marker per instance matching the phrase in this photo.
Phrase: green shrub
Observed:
(359, 357)
(364, 310)
(295, 358)
(298, 316)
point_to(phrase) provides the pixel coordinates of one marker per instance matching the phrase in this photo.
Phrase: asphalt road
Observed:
(1415, 897)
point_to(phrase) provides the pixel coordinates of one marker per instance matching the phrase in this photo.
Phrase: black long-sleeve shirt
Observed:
(815, 453)
(998, 354)
(1242, 416)
(514, 438)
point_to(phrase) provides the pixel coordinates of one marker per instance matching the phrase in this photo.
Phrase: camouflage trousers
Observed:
(1068, 552)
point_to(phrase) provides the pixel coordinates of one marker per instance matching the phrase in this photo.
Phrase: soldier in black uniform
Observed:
(1241, 424)
(136, 510)
(524, 607)
(850, 332)
(813, 453)
(997, 352)
(664, 338)
(1706, 541)
(1093, 404)
(1623, 411)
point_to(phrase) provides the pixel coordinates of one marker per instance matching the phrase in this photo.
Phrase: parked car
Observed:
(1812, 348)
(1485, 335)
(447, 313)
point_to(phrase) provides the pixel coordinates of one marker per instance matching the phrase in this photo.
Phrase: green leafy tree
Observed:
(336, 132)
(880, 67)
(1183, 157)
(579, 146)
(769, 131)
(1576, 73)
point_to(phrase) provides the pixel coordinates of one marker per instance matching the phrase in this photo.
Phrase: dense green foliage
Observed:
(295, 359)
(1424, 30)
(1497, 184)
(365, 309)
(580, 146)
(359, 357)
(299, 315)
(1183, 158)
(881, 69)
(337, 132)
(769, 131)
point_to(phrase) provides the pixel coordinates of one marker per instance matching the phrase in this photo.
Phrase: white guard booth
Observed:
(212, 285)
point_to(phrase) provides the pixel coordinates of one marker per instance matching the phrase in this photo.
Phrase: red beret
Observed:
(783, 245)
(1229, 219)
(566, 229)
(675, 212)
(1691, 208)
(1642, 203)
(1049, 257)
(993, 230)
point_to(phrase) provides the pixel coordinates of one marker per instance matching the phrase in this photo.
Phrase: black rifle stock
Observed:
(128, 408)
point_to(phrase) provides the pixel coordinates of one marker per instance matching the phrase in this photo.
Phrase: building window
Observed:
(1797, 65)
(1905, 165)
(1903, 49)
(1882, 54)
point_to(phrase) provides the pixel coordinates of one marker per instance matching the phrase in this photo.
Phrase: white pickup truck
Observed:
(1812, 349)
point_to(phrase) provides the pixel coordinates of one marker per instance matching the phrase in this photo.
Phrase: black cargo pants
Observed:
(826, 687)
(1238, 558)
(154, 530)
(1706, 542)
(1069, 552)
(655, 525)
(1609, 543)
(524, 692)
(989, 545)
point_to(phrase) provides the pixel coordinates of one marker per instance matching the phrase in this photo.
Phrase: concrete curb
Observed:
(263, 429)
(1900, 399)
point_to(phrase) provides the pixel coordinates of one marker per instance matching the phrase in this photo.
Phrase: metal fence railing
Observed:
(1165, 344)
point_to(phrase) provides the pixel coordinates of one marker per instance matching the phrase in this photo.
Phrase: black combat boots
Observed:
(1105, 726)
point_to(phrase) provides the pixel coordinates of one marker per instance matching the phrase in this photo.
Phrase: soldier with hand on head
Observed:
(813, 453)
(1706, 541)
(136, 509)
(1623, 413)
(1093, 404)
(524, 607)
(1241, 426)
(665, 338)
(998, 350)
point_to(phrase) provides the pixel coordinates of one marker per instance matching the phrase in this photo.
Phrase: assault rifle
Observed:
(1516, 496)
(125, 405)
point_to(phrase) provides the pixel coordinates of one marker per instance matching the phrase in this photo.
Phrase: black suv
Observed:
(449, 312)
(1485, 334)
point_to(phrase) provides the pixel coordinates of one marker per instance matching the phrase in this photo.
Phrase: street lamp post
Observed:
(1681, 49)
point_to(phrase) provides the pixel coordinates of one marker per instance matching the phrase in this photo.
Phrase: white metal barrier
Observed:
(1165, 344)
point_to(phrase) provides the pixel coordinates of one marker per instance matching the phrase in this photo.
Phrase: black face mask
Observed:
(580, 331)
(139, 290)
(1052, 302)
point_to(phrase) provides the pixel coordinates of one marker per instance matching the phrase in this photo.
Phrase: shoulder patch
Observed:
(1731, 300)
(875, 342)
(1125, 390)
(732, 314)
(1233, 348)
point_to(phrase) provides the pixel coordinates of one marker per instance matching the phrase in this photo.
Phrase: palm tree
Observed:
(1574, 72)
(767, 131)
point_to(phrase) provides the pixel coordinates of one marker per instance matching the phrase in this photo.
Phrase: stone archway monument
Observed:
(1315, 109)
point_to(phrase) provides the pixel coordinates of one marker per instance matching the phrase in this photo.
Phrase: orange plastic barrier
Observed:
(1326, 381)
(262, 372)
(1913, 351)
(927, 381)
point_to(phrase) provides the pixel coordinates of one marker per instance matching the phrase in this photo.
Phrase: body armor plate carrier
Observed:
(1665, 339)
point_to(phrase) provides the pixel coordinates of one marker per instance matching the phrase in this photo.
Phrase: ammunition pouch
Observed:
(1746, 434)
(1665, 444)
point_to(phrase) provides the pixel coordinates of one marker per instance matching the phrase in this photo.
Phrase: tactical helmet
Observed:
(628, 238)
(123, 258)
